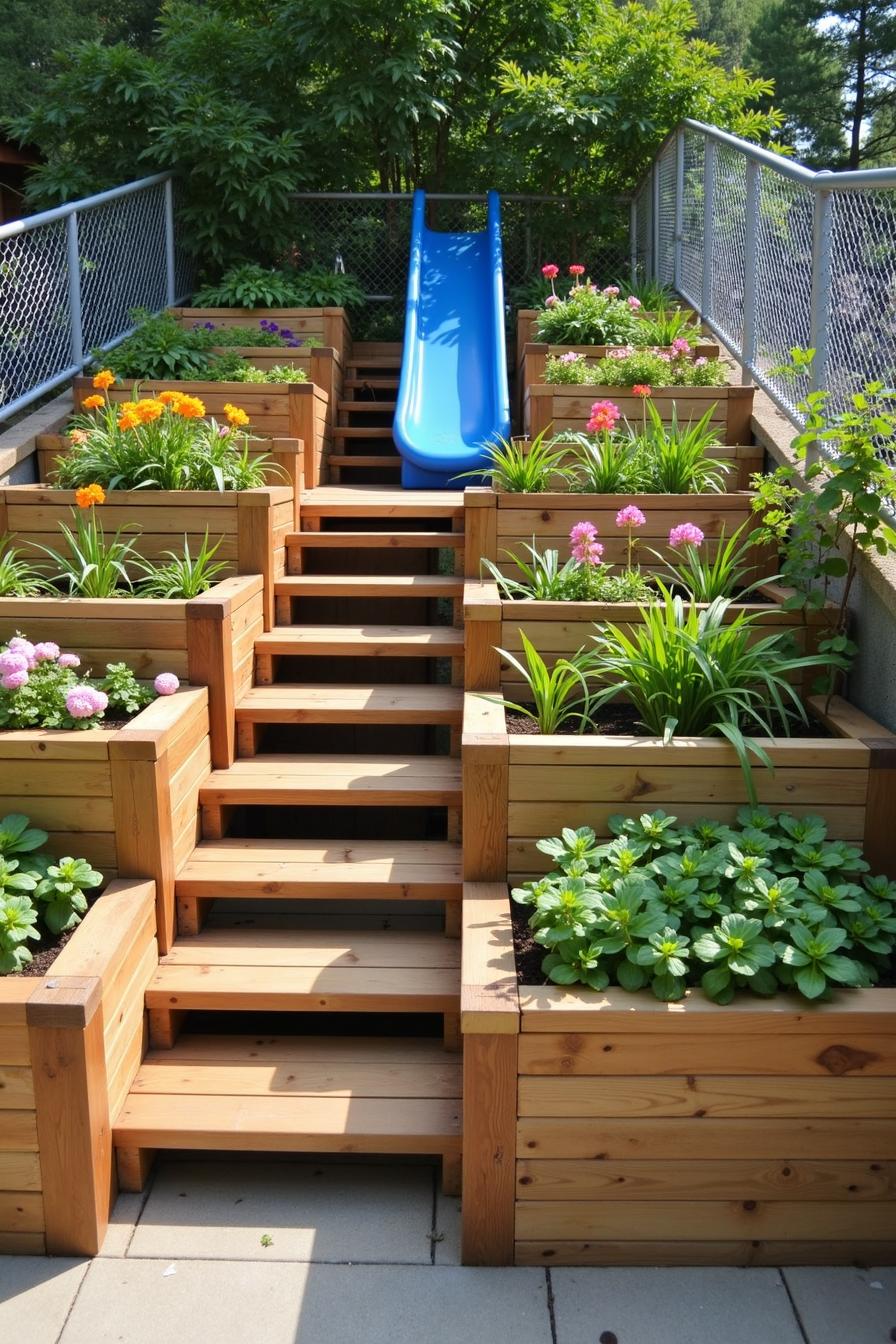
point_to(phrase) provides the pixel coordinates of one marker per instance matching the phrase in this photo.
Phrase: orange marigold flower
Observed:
(169, 398)
(191, 408)
(149, 410)
(235, 414)
(104, 379)
(93, 403)
(78, 435)
(88, 495)
(129, 420)
(127, 407)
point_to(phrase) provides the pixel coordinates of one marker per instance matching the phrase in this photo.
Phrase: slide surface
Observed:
(452, 396)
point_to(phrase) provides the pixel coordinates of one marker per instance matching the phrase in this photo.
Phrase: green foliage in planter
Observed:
(39, 895)
(544, 579)
(43, 687)
(633, 368)
(233, 368)
(765, 905)
(521, 467)
(253, 286)
(588, 316)
(162, 348)
(654, 458)
(18, 576)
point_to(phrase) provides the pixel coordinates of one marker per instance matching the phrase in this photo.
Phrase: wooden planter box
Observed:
(497, 523)
(612, 1129)
(559, 406)
(70, 1045)
(560, 629)
(279, 411)
(207, 641)
(527, 322)
(252, 525)
(328, 326)
(321, 364)
(124, 798)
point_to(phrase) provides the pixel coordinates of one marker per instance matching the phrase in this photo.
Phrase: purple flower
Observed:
(83, 702)
(13, 680)
(293, 345)
(285, 333)
(569, 358)
(685, 534)
(272, 326)
(47, 652)
(12, 661)
(166, 683)
(263, 323)
(698, 363)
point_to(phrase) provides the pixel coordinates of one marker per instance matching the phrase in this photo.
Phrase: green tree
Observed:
(727, 24)
(834, 72)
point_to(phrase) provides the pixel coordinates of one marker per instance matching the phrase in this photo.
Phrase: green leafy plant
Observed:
(628, 369)
(232, 368)
(253, 286)
(610, 464)
(43, 687)
(543, 578)
(559, 694)
(826, 520)
(40, 897)
(18, 923)
(159, 348)
(665, 325)
(125, 694)
(93, 565)
(184, 575)
(652, 295)
(679, 456)
(730, 571)
(18, 577)
(664, 906)
(701, 672)
(520, 467)
(60, 893)
(587, 316)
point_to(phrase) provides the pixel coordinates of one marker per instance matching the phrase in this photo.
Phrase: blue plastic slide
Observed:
(452, 397)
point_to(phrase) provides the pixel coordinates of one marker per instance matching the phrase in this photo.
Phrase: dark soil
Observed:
(529, 954)
(621, 720)
(102, 723)
(47, 950)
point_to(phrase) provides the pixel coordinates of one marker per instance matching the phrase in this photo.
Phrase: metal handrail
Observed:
(17, 226)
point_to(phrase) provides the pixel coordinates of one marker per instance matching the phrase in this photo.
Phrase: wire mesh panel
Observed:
(35, 318)
(728, 242)
(784, 281)
(691, 277)
(861, 338)
(665, 261)
(643, 229)
(121, 250)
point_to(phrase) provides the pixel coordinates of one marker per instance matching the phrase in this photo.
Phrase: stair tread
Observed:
(375, 539)
(370, 585)
(324, 702)
(362, 432)
(363, 361)
(297, 1094)
(253, 945)
(353, 639)
(276, 988)
(380, 501)
(364, 460)
(350, 407)
(375, 384)
(324, 779)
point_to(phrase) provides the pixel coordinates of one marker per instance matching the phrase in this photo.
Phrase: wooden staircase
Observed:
(363, 450)
(310, 1002)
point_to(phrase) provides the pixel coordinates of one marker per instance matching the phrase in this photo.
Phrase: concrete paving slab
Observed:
(122, 1223)
(311, 1211)
(222, 1302)
(448, 1226)
(673, 1306)
(36, 1295)
(842, 1305)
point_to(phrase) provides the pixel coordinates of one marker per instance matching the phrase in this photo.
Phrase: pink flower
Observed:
(680, 346)
(604, 415)
(633, 303)
(69, 660)
(551, 300)
(13, 680)
(584, 545)
(582, 532)
(576, 269)
(13, 661)
(698, 363)
(685, 534)
(642, 390)
(611, 291)
(83, 702)
(47, 652)
(569, 358)
(630, 516)
(550, 272)
(24, 646)
(166, 683)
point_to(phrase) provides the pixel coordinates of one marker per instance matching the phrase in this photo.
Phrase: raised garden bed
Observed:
(70, 1045)
(618, 1130)
(206, 641)
(527, 323)
(282, 412)
(123, 798)
(251, 524)
(562, 406)
(328, 326)
(497, 522)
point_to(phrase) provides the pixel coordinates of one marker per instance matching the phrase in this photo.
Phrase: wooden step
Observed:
(371, 540)
(335, 780)
(343, 460)
(392, 348)
(402, 870)
(302, 970)
(325, 703)
(380, 501)
(374, 362)
(362, 432)
(368, 641)
(284, 1094)
(369, 585)
(352, 407)
(375, 384)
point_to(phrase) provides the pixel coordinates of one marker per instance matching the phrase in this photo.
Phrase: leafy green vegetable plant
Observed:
(665, 906)
(252, 286)
(543, 578)
(93, 565)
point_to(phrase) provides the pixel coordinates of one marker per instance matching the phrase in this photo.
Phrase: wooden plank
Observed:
(666, 785)
(19, 1171)
(689, 1253)
(489, 1106)
(16, 1088)
(291, 988)
(21, 1212)
(337, 780)
(18, 1132)
(739, 1051)
(13, 1040)
(797, 1180)
(160, 1074)
(662, 1096)
(267, 947)
(682, 1139)
(682, 1220)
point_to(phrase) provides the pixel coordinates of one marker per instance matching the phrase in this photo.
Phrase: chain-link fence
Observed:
(775, 257)
(69, 279)
(368, 234)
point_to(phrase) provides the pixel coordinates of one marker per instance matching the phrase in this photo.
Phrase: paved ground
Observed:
(295, 1253)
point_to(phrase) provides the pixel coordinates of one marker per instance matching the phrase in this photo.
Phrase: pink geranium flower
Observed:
(630, 516)
(575, 269)
(569, 358)
(69, 660)
(551, 300)
(12, 681)
(550, 272)
(47, 652)
(12, 661)
(642, 390)
(633, 303)
(680, 346)
(685, 534)
(611, 291)
(83, 702)
(166, 683)
(604, 415)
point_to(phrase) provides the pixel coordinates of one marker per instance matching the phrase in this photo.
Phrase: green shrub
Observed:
(40, 897)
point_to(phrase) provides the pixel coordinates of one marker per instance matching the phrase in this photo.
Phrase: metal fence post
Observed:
(633, 240)
(751, 238)
(170, 281)
(677, 237)
(73, 266)
(709, 206)
(655, 221)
